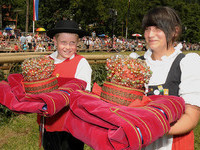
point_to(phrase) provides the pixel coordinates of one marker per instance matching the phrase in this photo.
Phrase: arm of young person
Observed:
(190, 92)
(84, 72)
(187, 122)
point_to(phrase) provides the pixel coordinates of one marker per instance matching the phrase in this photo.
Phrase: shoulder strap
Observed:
(175, 70)
(173, 79)
(141, 57)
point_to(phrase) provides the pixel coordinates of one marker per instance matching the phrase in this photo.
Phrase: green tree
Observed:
(95, 15)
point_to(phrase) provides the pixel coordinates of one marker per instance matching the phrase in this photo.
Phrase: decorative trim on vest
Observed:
(68, 67)
(171, 86)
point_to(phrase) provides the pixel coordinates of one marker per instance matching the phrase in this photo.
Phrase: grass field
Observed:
(22, 133)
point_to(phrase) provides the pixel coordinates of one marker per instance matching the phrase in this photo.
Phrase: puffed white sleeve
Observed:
(190, 79)
(84, 72)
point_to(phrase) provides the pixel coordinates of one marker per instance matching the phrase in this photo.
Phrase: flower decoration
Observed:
(126, 71)
(37, 68)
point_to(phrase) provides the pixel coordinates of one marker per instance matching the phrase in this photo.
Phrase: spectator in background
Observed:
(87, 42)
(22, 40)
(49, 44)
(24, 47)
(5, 34)
(29, 39)
(34, 42)
(93, 35)
(1, 34)
(16, 48)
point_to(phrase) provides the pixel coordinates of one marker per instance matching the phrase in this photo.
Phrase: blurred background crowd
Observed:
(39, 42)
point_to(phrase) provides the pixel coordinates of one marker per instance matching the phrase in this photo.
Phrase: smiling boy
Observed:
(68, 64)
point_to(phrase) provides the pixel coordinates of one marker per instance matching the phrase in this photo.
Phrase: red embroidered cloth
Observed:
(13, 96)
(99, 124)
(102, 125)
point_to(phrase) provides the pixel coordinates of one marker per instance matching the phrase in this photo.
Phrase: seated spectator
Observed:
(16, 48)
(24, 47)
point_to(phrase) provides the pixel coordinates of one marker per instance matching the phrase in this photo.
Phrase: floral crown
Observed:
(37, 68)
(127, 71)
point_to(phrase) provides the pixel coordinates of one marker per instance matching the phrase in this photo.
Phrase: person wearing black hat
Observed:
(69, 65)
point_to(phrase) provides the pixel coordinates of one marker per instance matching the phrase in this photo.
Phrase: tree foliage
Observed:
(98, 15)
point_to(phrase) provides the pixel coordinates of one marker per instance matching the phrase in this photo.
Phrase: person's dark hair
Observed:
(166, 19)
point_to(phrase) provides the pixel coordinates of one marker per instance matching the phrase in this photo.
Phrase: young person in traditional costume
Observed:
(68, 64)
(173, 74)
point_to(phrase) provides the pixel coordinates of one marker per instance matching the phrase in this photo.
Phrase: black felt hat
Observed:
(66, 26)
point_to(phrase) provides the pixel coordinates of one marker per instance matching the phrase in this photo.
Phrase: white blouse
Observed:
(83, 71)
(189, 86)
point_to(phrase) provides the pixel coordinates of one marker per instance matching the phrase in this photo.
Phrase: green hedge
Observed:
(98, 73)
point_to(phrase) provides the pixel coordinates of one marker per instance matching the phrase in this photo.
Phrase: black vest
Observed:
(171, 86)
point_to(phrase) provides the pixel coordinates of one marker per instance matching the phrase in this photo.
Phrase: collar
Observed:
(56, 60)
(148, 54)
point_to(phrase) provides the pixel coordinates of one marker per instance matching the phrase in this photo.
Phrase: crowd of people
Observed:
(41, 42)
(25, 42)
(116, 43)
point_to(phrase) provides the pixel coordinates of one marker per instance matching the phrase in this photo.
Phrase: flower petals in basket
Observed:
(37, 73)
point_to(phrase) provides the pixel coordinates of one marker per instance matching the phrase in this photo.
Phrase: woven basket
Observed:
(41, 86)
(120, 95)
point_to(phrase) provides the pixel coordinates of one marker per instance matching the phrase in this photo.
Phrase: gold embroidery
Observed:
(159, 118)
(167, 110)
(64, 95)
(150, 134)
(42, 86)
(53, 103)
(115, 110)
(121, 93)
(115, 99)
(41, 81)
(123, 87)
(90, 94)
